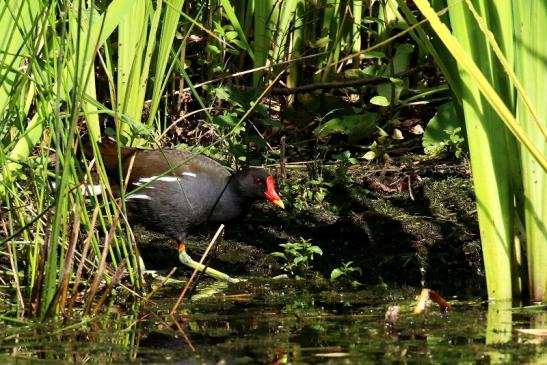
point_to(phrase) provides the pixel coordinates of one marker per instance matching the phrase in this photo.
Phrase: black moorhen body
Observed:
(171, 191)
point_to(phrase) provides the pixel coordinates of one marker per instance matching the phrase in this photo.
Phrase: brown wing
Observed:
(157, 162)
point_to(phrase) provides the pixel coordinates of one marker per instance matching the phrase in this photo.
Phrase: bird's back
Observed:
(172, 190)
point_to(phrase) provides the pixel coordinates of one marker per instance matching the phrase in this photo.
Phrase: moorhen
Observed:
(170, 191)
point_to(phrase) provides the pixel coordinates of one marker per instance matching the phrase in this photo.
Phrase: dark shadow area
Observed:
(396, 239)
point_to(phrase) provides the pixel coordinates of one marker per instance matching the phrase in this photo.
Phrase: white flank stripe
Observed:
(92, 190)
(191, 174)
(144, 180)
(139, 196)
(87, 190)
(168, 178)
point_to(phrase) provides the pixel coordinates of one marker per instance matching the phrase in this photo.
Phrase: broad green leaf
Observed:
(375, 54)
(356, 126)
(379, 100)
(230, 13)
(269, 122)
(213, 49)
(259, 141)
(401, 60)
(316, 249)
(370, 155)
(445, 119)
(336, 273)
(225, 120)
(320, 43)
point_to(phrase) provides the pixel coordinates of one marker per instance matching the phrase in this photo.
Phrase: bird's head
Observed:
(258, 184)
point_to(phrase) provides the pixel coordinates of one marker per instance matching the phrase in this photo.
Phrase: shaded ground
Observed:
(428, 232)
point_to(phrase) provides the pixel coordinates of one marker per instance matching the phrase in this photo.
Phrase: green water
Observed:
(281, 322)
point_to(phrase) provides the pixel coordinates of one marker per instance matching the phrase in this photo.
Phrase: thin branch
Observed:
(194, 273)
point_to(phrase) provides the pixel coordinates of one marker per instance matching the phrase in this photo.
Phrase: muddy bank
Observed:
(396, 235)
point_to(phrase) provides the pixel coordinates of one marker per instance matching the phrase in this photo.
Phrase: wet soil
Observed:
(425, 235)
(401, 239)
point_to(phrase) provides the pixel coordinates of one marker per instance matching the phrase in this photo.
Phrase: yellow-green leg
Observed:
(188, 261)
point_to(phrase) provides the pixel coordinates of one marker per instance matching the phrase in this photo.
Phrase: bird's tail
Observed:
(108, 151)
(109, 154)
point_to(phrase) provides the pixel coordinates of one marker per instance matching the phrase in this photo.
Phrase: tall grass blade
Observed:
(531, 70)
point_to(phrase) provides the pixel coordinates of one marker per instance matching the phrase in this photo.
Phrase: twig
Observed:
(181, 330)
(78, 275)
(102, 264)
(16, 279)
(116, 278)
(183, 117)
(162, 283)
(298, 164)
(62, 290)
(242, 73)
(194, 273)
(410, 188)
(282, 161)
(375, 80)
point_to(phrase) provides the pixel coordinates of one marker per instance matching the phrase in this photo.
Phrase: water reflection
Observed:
(281, 322)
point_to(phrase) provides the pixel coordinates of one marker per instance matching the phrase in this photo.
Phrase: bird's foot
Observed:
(188, 261)
(164, 279)
(157, 276)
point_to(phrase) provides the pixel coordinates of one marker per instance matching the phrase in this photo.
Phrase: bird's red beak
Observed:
(271, 194)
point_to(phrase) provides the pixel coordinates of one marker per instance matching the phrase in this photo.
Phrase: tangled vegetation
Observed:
(332, 88)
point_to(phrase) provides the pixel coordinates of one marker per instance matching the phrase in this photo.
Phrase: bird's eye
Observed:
(258, 181)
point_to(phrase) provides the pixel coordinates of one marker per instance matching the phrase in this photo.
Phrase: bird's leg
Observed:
(188, 261)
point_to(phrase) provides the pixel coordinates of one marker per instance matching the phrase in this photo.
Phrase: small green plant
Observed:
(346, 273)
(384, 141)
(304, 194)
(455, 142)
(452, 143)
(443, 132)
(343, 162)
(298, 256)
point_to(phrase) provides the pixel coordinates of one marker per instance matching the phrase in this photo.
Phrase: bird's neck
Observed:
(233, 202)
